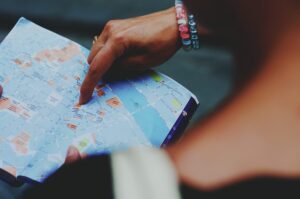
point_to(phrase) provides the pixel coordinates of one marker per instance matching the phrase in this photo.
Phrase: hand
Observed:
(73, 155)
(132, 44)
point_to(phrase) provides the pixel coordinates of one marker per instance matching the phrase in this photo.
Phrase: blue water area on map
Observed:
(148, 118)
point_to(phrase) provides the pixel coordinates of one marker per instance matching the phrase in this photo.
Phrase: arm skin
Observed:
(257, 133)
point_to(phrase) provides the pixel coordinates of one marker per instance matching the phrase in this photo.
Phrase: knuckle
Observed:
(118, 37)
(110, 25)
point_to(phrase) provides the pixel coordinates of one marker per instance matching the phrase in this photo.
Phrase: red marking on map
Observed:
(114, 102)
(59, 55)
(4, 103)
(72, 126)
(51, 83)
(20, 143)
(22, 63)
(14, 107)
(102, 114)
(100, 92)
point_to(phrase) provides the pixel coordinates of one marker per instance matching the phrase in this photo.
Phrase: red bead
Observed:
(183, 28)
(181, 16)
(184, 35)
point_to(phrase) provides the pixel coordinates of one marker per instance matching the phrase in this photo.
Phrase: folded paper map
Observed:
(42, 72)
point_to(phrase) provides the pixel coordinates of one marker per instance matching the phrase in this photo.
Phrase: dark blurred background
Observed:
(208, 73)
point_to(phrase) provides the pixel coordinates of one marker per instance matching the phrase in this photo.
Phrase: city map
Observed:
(41, 73)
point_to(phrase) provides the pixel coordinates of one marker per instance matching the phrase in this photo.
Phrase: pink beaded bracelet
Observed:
(182, 20)
(187, 27)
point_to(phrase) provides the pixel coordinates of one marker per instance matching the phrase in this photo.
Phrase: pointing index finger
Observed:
(100, 64)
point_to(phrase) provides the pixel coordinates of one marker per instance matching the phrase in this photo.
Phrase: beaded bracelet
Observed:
(187, 27)
(194, 32)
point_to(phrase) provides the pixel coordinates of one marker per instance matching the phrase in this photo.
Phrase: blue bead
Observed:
(191, 17)
(186, 42)
(192, 23)
(194, 37)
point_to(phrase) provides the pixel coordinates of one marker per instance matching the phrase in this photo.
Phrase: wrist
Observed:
(173, 26)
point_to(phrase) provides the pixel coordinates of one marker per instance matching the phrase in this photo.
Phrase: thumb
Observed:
(73, 155)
